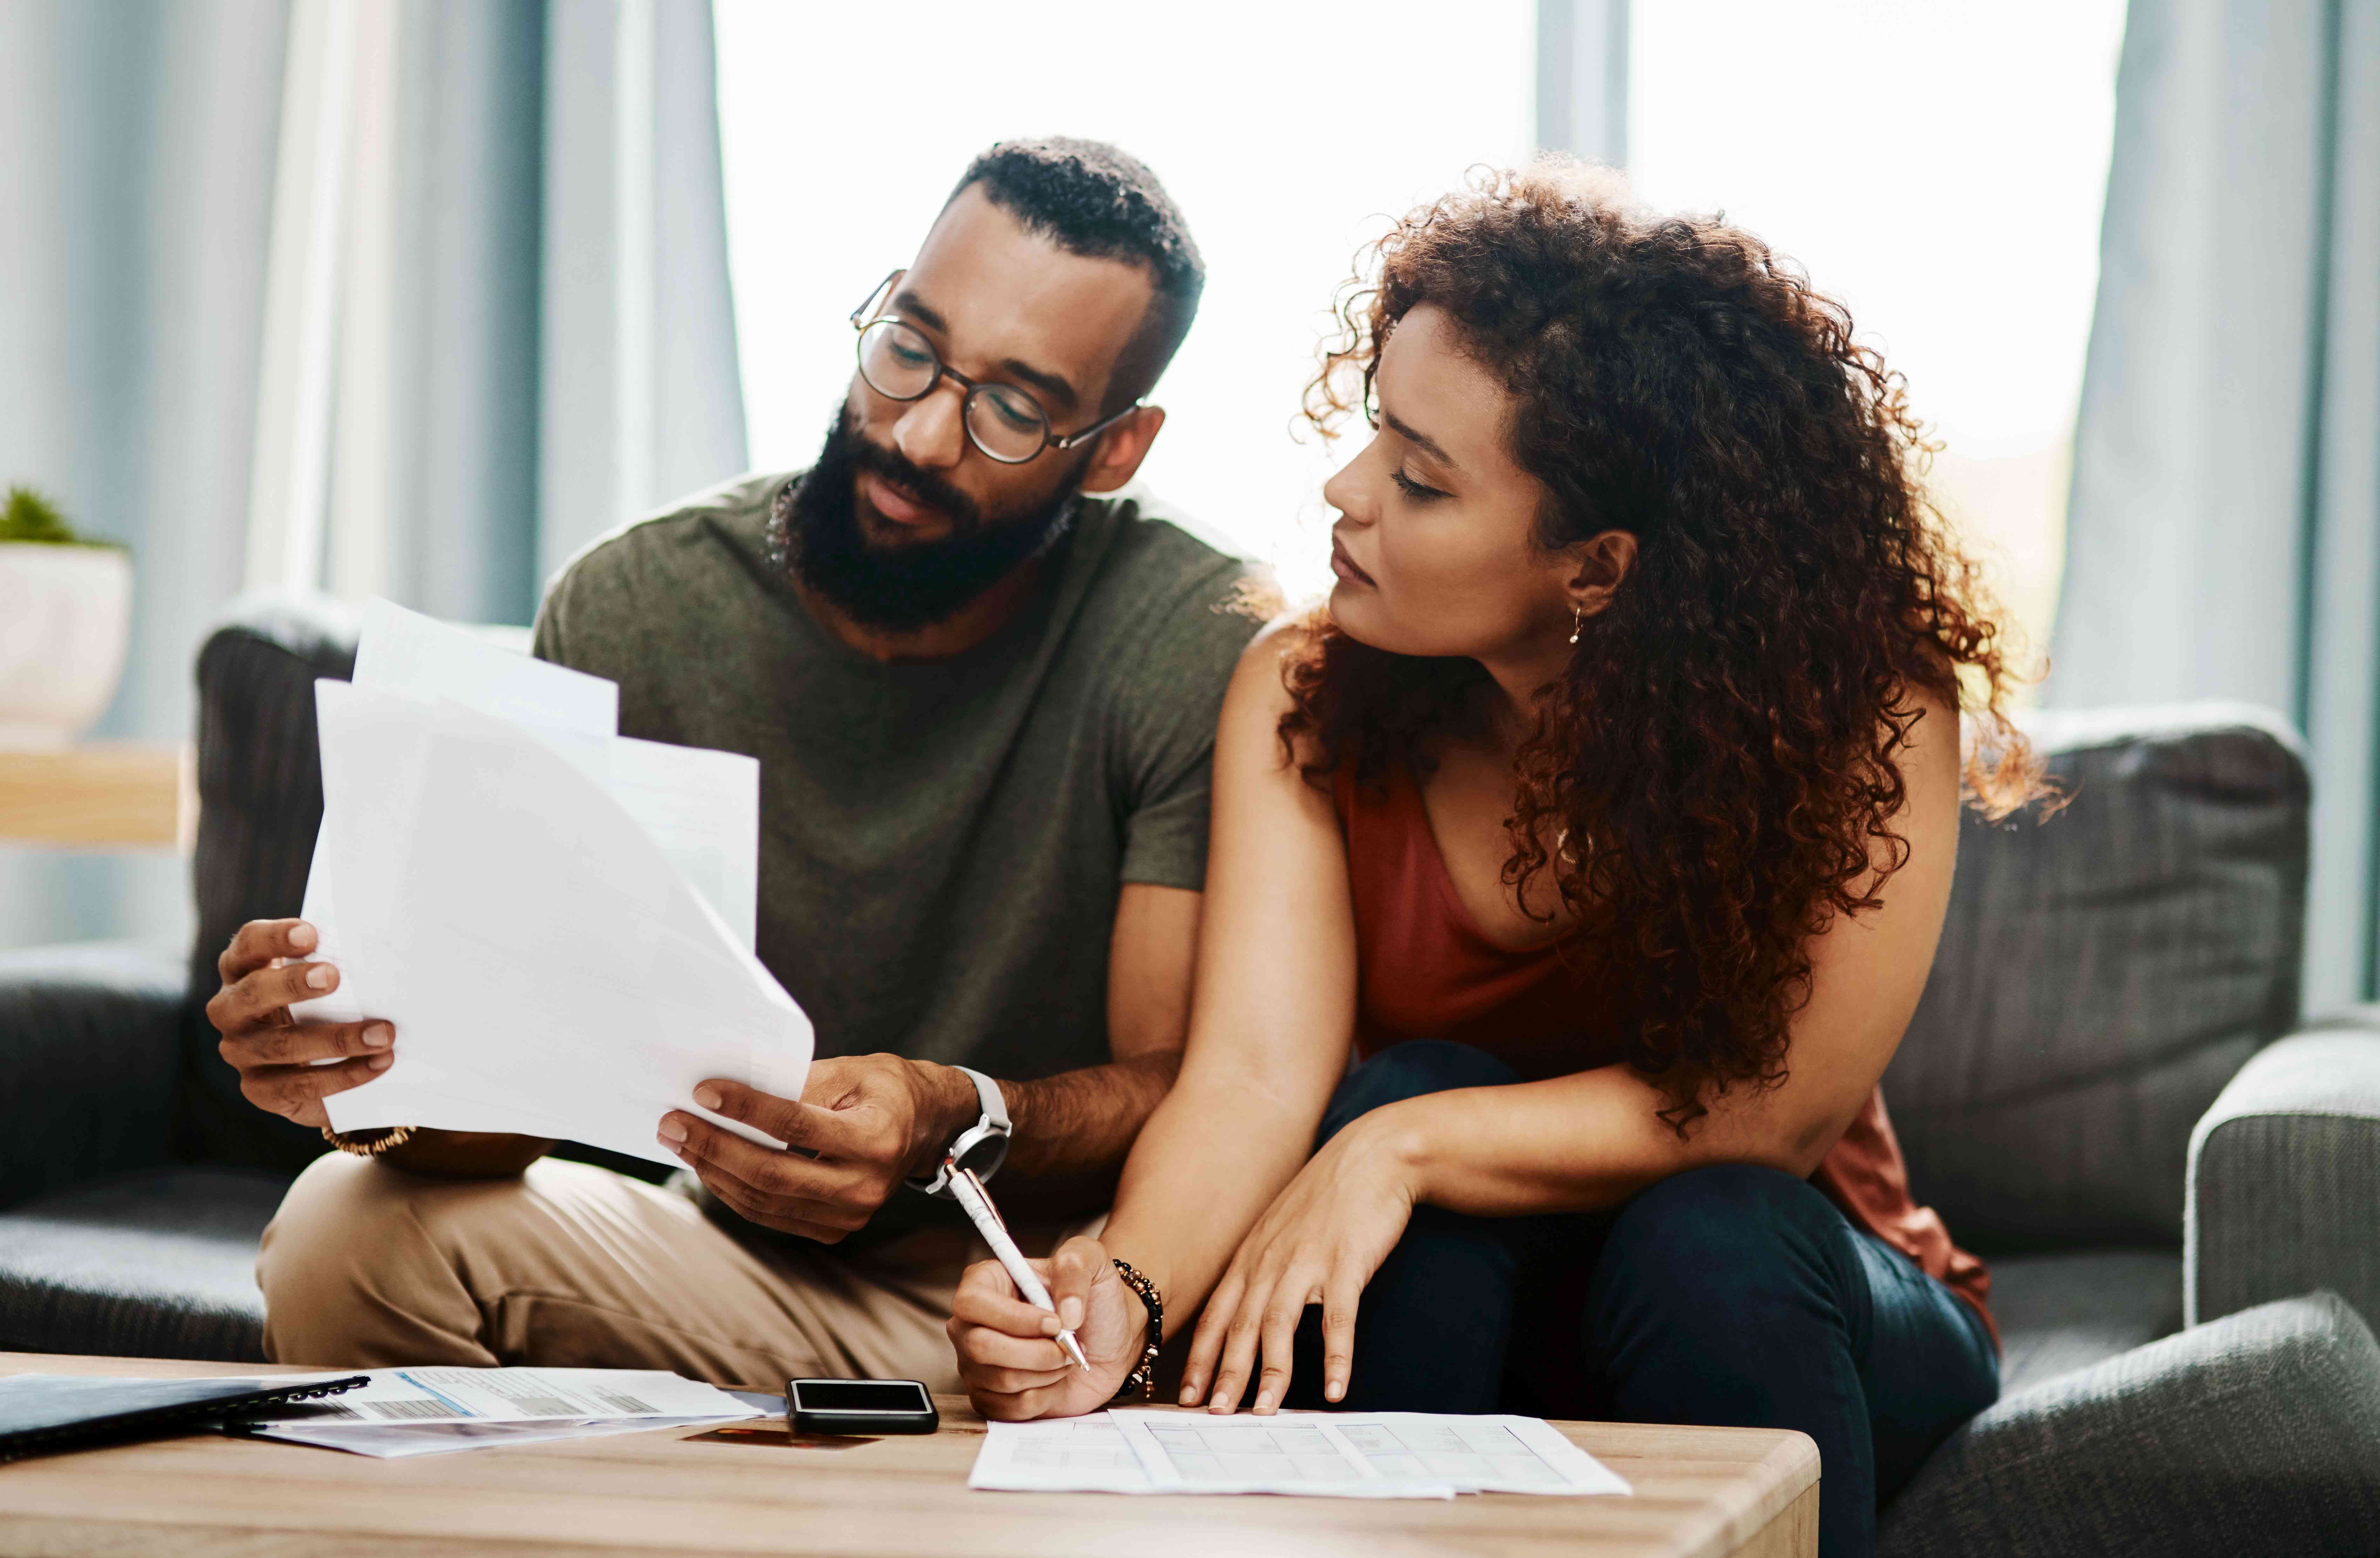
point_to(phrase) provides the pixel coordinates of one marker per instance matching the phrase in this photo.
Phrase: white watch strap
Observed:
(993, 1124)
(987, 1092)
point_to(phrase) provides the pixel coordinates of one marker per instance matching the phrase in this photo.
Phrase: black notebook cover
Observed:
(41, 1413)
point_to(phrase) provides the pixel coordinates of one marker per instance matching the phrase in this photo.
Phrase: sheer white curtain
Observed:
(407, 297)
(498, 321)
(2225, 529)
(136, 169)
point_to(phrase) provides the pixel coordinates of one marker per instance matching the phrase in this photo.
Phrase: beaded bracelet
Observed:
(1141, 1383)
(369, 1144)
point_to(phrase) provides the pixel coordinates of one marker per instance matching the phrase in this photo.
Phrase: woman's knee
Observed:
(1723, 1242)
(1412, 1069)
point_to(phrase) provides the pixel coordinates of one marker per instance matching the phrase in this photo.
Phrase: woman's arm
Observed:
(1593, 1139)
(1581, 1142)
(1272, 1015)
(1272, 1009)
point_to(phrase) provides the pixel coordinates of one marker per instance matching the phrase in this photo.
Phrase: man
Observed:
(983, 697)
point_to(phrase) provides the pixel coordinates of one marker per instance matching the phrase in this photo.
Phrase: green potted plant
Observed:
(65, 615)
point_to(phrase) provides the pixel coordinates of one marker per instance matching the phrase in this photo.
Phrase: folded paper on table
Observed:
(542, 909)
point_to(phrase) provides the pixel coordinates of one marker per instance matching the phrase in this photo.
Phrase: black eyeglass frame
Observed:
(862, 320)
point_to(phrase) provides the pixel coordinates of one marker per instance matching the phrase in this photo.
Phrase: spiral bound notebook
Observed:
(41, 1414)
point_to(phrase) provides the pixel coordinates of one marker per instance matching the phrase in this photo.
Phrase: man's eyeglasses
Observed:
(1003, 421)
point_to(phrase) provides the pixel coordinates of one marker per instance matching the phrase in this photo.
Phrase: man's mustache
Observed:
(933, 491)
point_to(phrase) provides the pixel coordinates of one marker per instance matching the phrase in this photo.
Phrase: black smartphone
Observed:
(859, 1407)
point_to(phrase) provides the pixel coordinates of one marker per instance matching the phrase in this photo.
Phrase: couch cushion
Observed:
(259, 805)
(161, 1264)
(88, 1059)
(2058, 1313)
(2101, 976)
(2259, 1433)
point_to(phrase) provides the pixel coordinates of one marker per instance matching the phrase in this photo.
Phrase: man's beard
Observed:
(903, 587)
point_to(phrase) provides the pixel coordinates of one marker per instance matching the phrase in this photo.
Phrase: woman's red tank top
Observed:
(1424, 971)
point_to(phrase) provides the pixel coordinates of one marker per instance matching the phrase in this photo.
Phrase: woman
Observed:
(1609, 809)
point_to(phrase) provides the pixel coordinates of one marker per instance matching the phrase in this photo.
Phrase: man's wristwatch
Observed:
(981, 1146)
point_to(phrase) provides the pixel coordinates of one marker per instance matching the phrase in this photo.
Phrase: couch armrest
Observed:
(2284, 1180)
(89, 1062)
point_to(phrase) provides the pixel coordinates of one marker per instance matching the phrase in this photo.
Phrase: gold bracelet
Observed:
(371, 1143)
(1141, 1383)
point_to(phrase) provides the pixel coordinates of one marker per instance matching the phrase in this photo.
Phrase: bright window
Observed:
(1284, 131)
(1940, 168)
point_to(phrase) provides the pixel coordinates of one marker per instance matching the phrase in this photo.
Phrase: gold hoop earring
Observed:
(1578, 619)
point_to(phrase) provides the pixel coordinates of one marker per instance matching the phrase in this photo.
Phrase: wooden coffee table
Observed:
(1698, 1491)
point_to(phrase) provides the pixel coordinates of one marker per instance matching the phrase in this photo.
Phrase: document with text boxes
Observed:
(1329, 1454)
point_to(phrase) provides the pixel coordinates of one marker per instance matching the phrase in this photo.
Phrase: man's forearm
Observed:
(1072, 1128)
(1084, 1122)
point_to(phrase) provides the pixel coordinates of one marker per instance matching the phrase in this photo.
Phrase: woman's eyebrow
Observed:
(1419, 440)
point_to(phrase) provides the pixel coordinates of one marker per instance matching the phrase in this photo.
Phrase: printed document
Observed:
(557, 920)
(406, 1412)
(390, 1442)
(513, 1396)
(1336, 1454)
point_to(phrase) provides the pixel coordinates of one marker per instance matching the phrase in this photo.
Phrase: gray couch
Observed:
(2107, 1092)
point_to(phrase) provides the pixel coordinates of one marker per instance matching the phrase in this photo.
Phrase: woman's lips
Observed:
(895, 504)
(1344, 565)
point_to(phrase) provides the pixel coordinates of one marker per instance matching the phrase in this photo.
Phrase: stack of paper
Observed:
(427, 1411)
(1336, 1454)
(557, 920)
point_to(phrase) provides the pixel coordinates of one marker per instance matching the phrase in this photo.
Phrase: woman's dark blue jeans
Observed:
(1729, 1295)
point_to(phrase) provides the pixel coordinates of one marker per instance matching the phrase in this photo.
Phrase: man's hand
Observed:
(263, 975)
(864, 1123)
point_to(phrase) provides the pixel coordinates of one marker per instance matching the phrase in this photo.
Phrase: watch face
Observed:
(984, 1153)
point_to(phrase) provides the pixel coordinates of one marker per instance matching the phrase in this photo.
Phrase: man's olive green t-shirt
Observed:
(941, 843)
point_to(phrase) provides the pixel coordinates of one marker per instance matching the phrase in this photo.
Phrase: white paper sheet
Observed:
(401, 1441)
(405, 1412)
(1060, 1456)
(1283, 1452)
(548, 971)
(512, 1395)
(1331, 1455)
(702, 808)
(399, 650)
(1481, 1454)
(559, 920)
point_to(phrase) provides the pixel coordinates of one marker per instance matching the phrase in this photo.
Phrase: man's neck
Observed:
(955, 635)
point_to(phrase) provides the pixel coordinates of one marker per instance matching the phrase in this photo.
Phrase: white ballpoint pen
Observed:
(969, 1192)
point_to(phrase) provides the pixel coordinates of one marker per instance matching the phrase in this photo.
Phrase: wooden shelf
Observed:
(105, 795)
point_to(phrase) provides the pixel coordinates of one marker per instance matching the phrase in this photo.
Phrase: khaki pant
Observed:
(572, 1266)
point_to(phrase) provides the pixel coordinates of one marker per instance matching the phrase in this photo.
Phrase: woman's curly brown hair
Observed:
(1714, 780)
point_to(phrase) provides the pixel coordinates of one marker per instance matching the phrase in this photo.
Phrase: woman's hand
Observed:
(1009, 1357)
(1318, 1243)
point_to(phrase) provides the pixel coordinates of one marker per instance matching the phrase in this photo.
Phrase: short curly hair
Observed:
(1714, 778)
(1096, 201)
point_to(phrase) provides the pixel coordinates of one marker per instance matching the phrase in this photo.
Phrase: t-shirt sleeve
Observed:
(1168, 699)
(545, 636)
(560, 616)
(580, 614)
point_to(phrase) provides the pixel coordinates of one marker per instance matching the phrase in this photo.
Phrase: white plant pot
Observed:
(66, 615)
